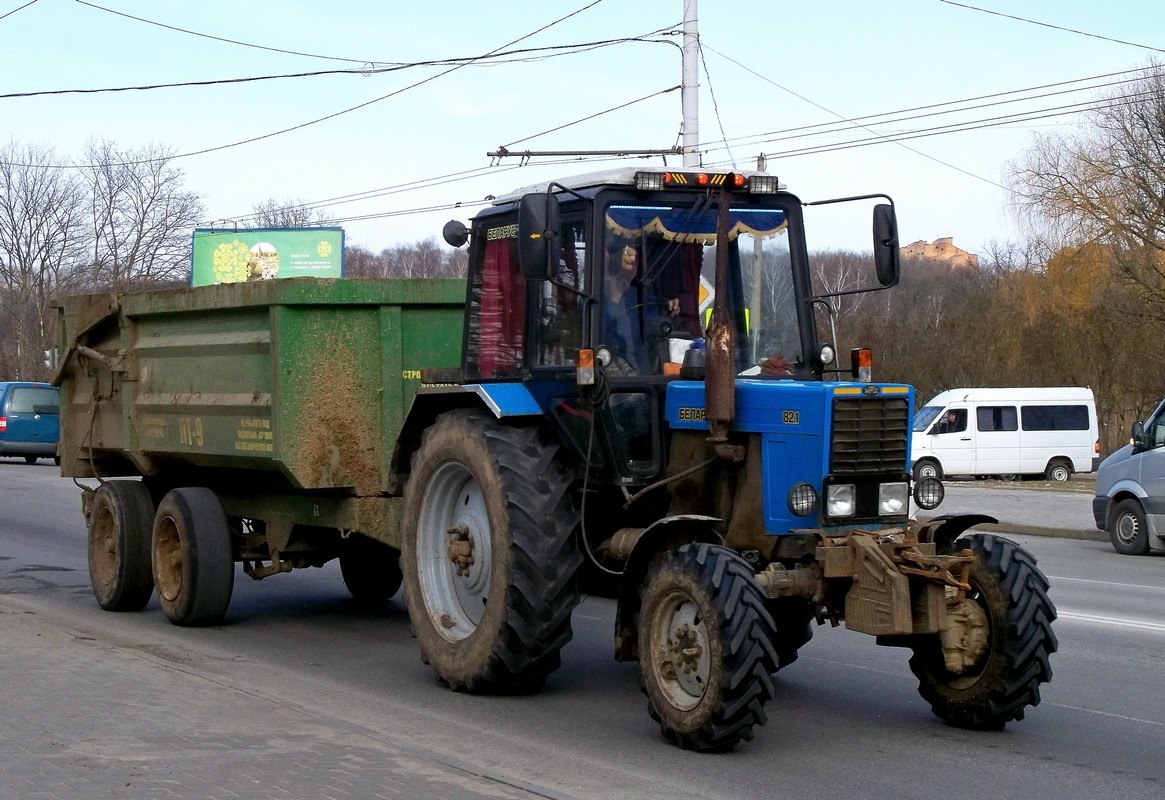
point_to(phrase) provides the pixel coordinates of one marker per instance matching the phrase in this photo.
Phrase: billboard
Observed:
(227, 255)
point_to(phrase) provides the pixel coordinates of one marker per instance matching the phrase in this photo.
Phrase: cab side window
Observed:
(1155, 432)
(953, 421)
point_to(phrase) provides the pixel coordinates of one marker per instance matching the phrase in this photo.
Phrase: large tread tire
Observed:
(1013, 593)
(120, 521)
(194, 568)
(499, 623)
(706, 647)
(1127, 529)
(793, 622)
(371, 570)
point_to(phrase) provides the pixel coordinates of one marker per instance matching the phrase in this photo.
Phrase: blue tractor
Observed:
(647, 396)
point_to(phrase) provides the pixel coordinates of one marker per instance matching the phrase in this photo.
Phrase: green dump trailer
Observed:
(249, 422)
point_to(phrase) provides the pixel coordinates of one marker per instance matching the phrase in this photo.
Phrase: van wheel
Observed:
(927, 468)
(1127, 529)
(1058, 471)
(30, 459)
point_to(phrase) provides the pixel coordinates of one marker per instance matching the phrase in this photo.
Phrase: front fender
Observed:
(665, 534)
(943, 530)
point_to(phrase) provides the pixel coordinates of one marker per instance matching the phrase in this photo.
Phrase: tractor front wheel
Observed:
(706, 647)
(1010, 645)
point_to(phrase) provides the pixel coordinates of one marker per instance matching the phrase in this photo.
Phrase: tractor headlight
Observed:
(802, 499)
(928, 493)
(840, 500)
(892, 499)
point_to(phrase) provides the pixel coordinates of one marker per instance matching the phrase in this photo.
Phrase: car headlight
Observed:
(892, 499)
(840, 500)
(929, 492)
(802, 499)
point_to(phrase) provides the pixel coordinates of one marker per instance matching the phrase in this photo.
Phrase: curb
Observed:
(1093, 535)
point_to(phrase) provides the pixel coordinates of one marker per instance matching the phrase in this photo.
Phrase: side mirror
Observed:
(539, 245)
(455, 233)
(1138, 434)
(886, 244)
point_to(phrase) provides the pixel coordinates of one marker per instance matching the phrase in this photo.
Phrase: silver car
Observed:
(1130, 489)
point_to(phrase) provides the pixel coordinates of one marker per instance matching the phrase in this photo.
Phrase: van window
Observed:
(1055, 418)
(954, 421)
(924, 416)
(34, 400)
(996, 418)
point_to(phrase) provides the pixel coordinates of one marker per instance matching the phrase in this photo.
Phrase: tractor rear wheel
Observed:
(120, 520)
(706, 647)
(1009, 595)
(489, 554)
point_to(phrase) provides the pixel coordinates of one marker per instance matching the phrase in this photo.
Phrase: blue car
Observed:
(30, 420)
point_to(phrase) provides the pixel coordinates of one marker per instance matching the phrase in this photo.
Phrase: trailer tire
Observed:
(706, 647)
(502, 488)
(1127, 529)
(194, 569)
(120, 520)
(371, 570)
(1005, 680)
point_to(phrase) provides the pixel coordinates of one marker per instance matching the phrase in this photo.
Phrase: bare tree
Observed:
(1106, 185)
(288, 213)
(141, 216)
(42, 241)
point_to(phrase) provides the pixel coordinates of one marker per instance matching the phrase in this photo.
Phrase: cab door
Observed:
(952, 440)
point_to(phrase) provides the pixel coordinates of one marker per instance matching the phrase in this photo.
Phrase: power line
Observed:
(1050, 25)
(19, 8)
(220, 38)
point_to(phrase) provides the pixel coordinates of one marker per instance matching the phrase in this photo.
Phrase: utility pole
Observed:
(690, 94)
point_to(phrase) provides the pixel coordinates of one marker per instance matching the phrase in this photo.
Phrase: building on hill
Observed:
(943, 250)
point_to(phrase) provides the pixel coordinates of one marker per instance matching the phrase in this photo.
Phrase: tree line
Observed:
(1080, 301)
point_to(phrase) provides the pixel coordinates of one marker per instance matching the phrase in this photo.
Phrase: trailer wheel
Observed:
(1129, 535)
(1011, 594)
(194, 569)
(119, 545)
(1058, 470)
(371, 570)
(489, 554)
(706, 647)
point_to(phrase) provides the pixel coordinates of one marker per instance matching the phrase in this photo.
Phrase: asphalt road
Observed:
(300, 693)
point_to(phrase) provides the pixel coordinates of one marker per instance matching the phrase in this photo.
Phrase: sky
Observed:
(396, 148)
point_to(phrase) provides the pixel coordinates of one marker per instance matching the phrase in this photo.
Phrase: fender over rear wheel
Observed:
(194, 569)
(1010, 595)
(706, 647)
(120, 520)
(489, 554)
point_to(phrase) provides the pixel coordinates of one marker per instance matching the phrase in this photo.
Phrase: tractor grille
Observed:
(869, 435)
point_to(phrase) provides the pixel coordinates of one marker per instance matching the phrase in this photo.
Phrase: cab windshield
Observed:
(658, 273)
(924, 416)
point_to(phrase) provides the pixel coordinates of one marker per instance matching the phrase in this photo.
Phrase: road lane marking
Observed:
(1108, 714)
(1159, 627)
(1107, 583)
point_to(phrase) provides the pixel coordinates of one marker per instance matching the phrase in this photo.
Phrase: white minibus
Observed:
(1049, 431)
